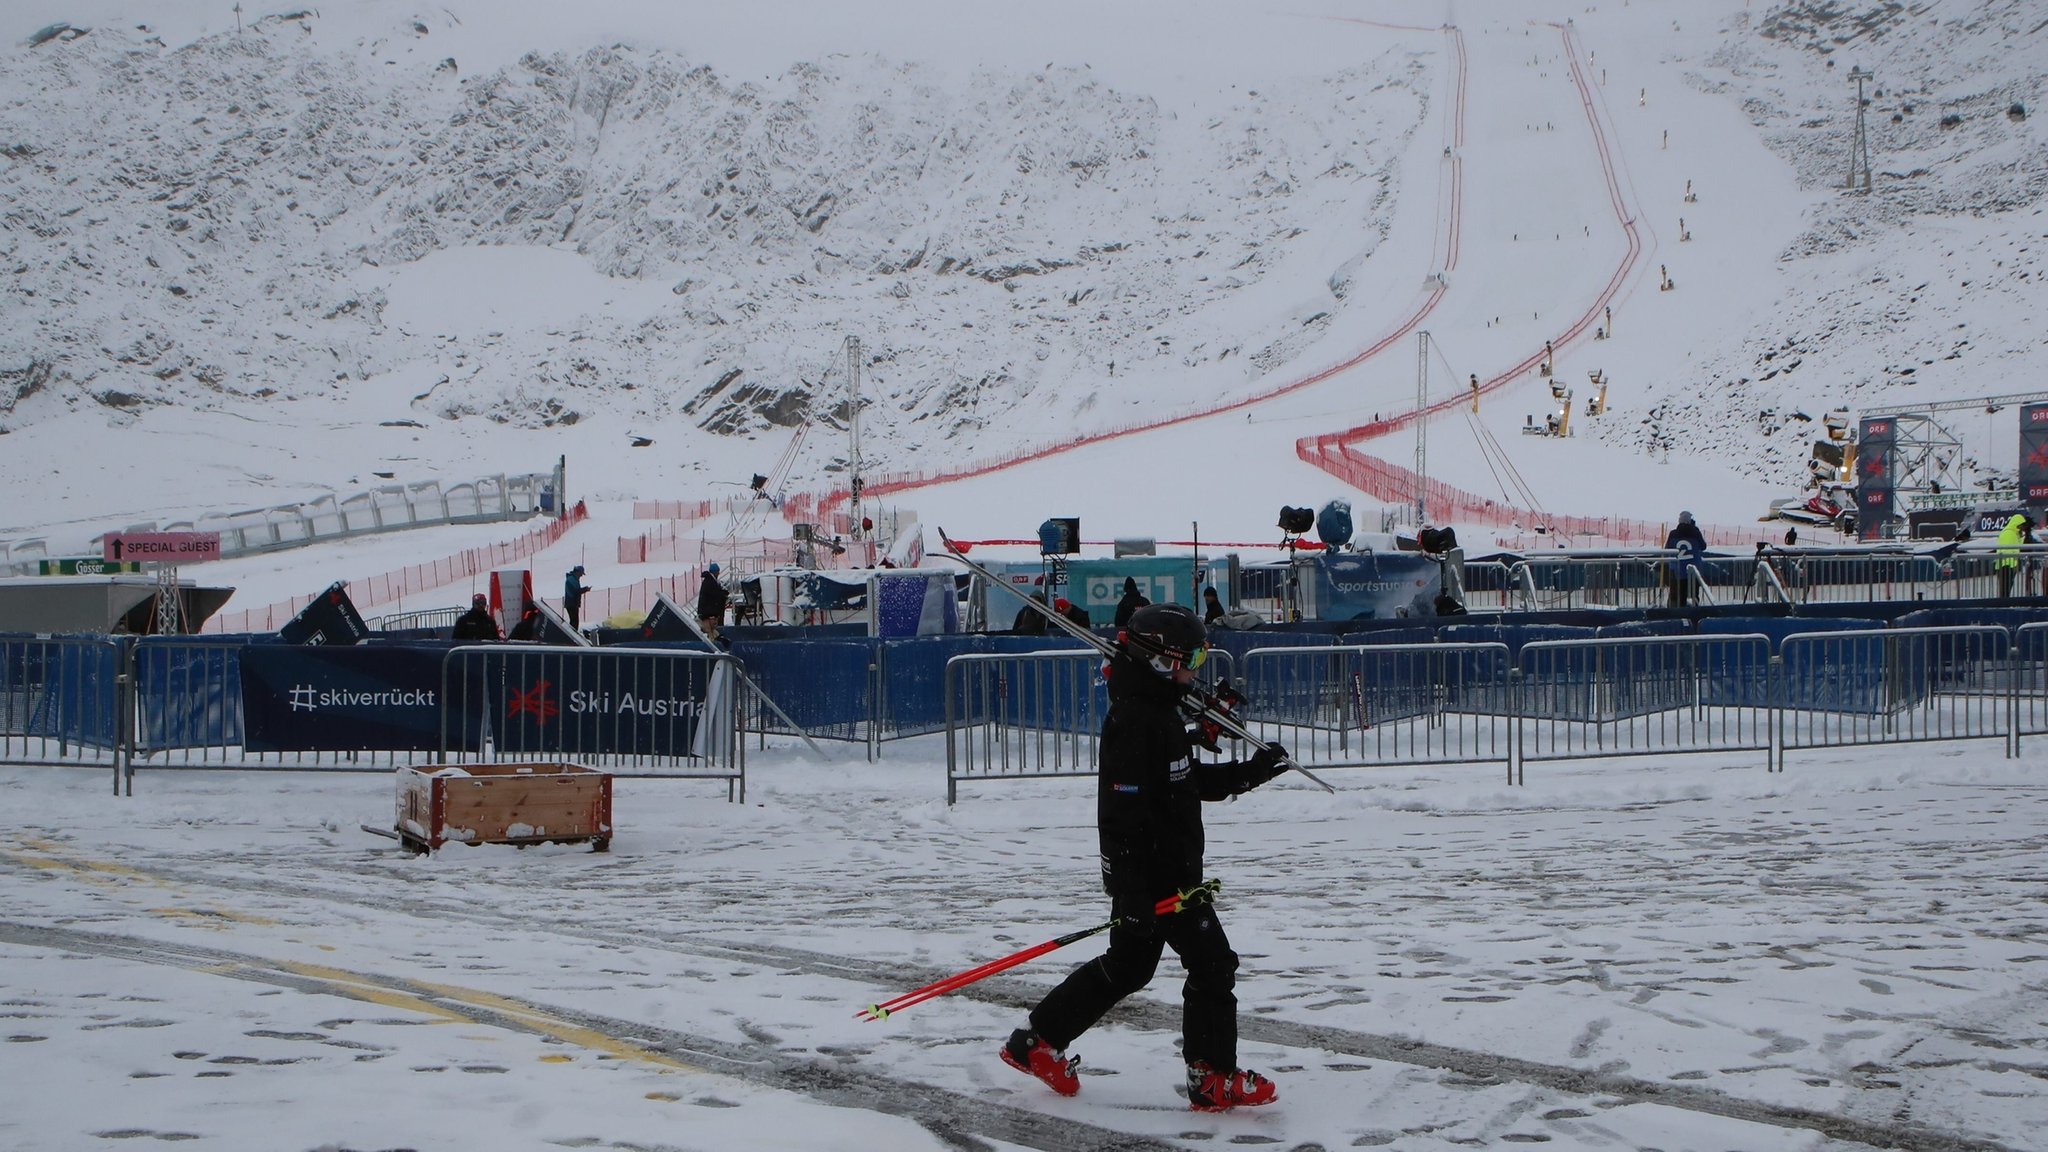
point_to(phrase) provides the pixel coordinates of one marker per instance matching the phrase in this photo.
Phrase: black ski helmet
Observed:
(1169, 630)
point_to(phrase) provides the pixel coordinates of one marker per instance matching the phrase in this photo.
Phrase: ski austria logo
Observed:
(538, 702)
(312, 698)
(534, 702)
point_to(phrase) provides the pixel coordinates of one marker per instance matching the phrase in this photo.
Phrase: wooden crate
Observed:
(504, 804)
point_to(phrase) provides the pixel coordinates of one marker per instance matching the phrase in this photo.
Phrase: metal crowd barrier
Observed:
(60, 702)
(1775, 575)
(1370, 705)
(2030, 682)
(1014, 717)
(1022, 715)
(1891, 686)
(627, 711)
(185, 699)
(1583, 699)
(1030, 715)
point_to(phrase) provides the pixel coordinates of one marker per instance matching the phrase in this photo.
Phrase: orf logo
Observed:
(2037, 415)
(1878, 428)
(536, 702)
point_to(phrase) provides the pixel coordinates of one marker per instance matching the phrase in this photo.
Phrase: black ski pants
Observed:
(1208, 1002)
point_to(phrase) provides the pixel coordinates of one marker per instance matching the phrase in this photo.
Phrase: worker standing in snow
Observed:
(2018, 529)
(1685, 540)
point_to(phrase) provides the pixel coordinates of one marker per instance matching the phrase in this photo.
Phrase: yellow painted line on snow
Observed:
(46, 856)
(377, 992)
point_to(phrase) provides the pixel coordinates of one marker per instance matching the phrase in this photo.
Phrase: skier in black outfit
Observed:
(1149, 820)
(477, 623)
(1131, 602)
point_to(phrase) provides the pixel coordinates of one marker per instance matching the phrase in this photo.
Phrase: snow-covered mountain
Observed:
(257, 263)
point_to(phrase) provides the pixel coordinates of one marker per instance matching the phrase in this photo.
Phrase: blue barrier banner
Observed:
(70, 688)
(1375, 586)
(597, 704)
(310, 699)
(186, 695)
(821, 684)
(915, 604)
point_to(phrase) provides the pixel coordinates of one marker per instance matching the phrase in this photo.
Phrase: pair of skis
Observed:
(1207, 704)
(1202, 893)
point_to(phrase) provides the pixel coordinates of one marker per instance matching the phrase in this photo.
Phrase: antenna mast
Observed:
(1859, 149)
(853, 428)
(1421, 423)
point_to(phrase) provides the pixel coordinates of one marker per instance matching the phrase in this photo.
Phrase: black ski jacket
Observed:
(1149, 790)
(475, 624)
(1132, 601)
(711, 599)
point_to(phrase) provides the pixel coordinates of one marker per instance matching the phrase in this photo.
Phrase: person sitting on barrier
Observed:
(1686, 540)
(477, 623)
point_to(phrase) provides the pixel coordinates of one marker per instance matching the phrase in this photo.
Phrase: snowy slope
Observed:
(258, 265)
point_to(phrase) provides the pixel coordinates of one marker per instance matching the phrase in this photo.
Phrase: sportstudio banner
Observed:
(1876, 445)
(310, 699)
(2033, 477)
(600, 703)
(1375, 586)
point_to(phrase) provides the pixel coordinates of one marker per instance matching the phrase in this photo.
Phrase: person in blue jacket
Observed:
(1685, 539)
(572, 597)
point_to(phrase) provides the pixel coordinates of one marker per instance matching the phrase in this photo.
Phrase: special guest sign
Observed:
(160, 547)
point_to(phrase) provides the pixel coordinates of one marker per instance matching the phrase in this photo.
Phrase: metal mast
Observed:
(1421, 423)
(1859, 149)
(853, 428)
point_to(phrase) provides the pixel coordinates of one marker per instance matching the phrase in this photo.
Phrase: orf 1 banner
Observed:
(2033, 478)
(160, 547)
(1876, 454)
(310, 699)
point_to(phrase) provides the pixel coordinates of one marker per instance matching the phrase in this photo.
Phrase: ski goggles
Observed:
(1174, 661)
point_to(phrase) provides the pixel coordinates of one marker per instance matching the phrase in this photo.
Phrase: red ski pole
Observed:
(1202, 893)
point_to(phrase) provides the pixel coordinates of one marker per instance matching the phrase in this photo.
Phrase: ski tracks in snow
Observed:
(1349, 963)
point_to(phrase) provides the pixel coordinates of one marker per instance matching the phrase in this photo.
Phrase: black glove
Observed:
(1267, 763)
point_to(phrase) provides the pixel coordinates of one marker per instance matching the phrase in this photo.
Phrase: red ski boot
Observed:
(1034, 1057)
(1212, 1091)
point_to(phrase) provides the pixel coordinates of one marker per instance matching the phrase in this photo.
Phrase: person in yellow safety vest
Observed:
(2018, 529)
